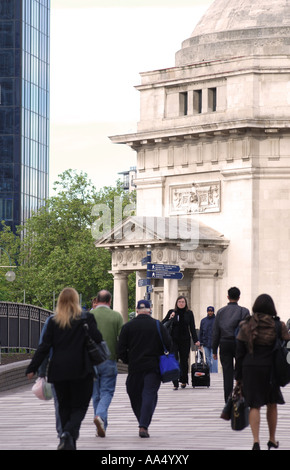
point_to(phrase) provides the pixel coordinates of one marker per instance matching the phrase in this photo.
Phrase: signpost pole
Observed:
(148, 296)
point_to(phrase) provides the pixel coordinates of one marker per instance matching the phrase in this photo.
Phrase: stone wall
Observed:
(13, 375)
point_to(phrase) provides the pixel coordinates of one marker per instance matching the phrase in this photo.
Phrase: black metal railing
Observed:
(20, 326)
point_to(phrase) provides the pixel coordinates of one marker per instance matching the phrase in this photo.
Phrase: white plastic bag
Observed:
(42, 389)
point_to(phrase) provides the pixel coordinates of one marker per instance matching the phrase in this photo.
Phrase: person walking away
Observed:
(224, 336)
(255, 342)
(205, 338)
(42, 372)
(183, 327)
(140, 347)
(70, 369)
(109, 323)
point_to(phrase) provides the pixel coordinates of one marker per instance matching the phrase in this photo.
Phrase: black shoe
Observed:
(66, 442)
(275, 445)
(256, 446)
(143, 432)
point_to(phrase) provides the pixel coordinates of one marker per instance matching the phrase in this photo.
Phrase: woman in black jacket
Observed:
(254, 365)
(182, 326)
(70, 369)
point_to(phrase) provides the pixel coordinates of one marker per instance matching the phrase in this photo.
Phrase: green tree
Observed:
(9, 251)
(57, 248)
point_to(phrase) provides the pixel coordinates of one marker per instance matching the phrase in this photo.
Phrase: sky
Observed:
(98, 50)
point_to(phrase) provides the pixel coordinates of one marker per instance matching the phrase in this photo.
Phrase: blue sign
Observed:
(145, 260)
(163, 267)
(144, 282)
(164, 275)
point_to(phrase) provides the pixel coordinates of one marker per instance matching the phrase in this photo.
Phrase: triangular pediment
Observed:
(138, 230)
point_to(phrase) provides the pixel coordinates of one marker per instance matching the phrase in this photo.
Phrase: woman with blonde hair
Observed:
(70, 369)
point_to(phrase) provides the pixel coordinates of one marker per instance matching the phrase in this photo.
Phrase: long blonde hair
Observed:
(68, 307)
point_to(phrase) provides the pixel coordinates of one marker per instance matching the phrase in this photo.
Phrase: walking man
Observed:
(140, 347)
(109, 322)
(205, 338)
(224, 336)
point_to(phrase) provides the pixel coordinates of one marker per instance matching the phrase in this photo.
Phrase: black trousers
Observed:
(73, 400)
(142, 389)
(181, 349)
(227, 357)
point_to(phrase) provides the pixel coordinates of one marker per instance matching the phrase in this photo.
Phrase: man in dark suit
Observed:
(224, 333)
(140, 347)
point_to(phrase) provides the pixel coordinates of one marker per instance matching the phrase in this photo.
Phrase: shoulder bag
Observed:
(281, 366)
(98, 352)
(169, 366)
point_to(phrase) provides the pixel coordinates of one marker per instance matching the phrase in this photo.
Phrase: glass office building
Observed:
(24, 107)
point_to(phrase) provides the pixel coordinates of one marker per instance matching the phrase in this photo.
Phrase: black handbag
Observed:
(227, 410)
(239, 410)
(169, 325)
(168, 364)
(98, 352)
(281, 366)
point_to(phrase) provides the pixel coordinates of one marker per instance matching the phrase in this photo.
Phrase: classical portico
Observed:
(197, 249)
(212, 146)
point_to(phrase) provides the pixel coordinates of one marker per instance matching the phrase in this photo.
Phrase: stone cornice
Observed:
(179, 134)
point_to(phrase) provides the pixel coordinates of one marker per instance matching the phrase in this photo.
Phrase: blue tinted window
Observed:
(6, 209)
(6, 149)
(24, 105)
(6, 34)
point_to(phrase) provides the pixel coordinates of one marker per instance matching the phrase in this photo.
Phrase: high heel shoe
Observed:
(256, 446)
(272, 444)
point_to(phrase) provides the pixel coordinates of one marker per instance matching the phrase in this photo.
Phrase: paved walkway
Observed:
(184, 420)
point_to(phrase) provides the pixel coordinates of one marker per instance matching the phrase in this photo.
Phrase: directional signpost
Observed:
(163, 271)
(144, 282)
(157, 271)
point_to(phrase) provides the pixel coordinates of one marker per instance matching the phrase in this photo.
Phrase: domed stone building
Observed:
(213, 165)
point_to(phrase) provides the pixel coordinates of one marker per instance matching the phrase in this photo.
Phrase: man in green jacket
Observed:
(109, 322)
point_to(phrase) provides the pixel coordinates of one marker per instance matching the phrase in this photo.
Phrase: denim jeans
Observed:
(213, 363)
(104, 388)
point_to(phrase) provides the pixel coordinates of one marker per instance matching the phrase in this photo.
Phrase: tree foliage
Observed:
(55, 248)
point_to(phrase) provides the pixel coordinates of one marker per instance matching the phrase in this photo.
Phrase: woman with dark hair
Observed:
(182, 327)
(254, 359)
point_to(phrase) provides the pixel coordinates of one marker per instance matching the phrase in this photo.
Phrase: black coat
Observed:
(140, 345)
(69, 359)
(183, 325)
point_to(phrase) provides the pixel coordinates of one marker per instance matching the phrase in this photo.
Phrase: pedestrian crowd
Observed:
(245, 343)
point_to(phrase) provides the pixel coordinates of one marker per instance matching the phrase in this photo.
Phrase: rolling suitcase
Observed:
(200, 374)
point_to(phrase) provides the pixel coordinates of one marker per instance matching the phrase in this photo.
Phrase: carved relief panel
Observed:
(196, 198)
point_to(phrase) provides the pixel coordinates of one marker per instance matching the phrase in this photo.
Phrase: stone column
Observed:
(120, 299)
(202, 292)
(170, 294)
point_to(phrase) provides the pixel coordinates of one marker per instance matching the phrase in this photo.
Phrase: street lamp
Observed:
(10, 275)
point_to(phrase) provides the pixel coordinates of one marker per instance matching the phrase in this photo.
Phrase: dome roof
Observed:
(237, 28)
(229, 15)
